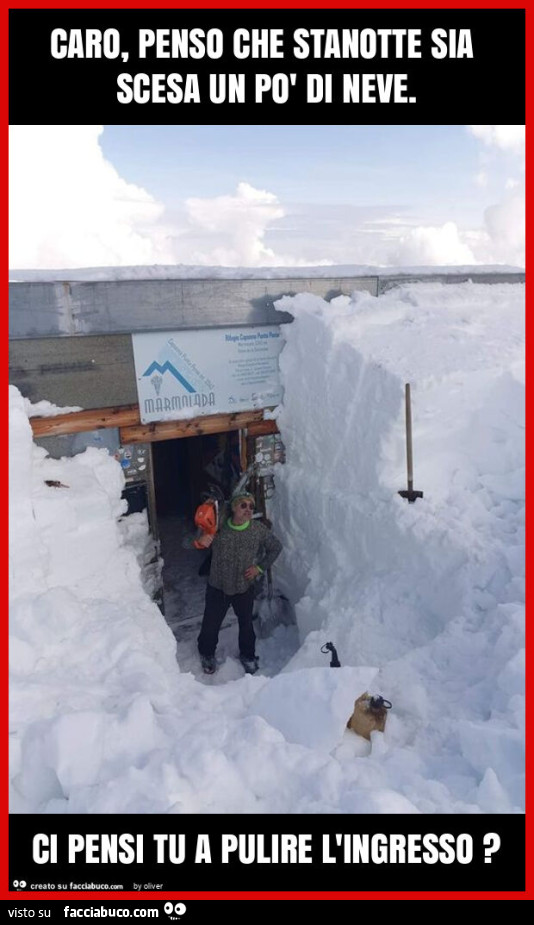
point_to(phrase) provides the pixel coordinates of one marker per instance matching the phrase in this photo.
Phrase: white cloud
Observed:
(505, 137)
(500, 241)
(503, 237)
(481, 178)
(235, 227)
(505, 225)
(432, 246)
(69, 207)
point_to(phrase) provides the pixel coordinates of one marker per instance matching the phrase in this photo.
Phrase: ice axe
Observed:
(409, 492)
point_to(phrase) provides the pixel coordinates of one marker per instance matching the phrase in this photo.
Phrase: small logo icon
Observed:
(19, 884)
(167, 367)
(156, 382)
(175, 910)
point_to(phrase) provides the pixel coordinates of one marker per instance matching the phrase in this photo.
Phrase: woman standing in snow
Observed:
(242, 549)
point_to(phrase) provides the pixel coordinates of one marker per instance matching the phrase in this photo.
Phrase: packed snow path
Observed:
(424, 602)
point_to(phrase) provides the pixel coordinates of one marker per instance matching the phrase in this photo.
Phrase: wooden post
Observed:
(409, 492)
(409, 451)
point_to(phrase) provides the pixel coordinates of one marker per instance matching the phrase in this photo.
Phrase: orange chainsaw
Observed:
(207, 515)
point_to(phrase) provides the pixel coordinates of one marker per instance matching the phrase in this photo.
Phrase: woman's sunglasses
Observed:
(247, 504)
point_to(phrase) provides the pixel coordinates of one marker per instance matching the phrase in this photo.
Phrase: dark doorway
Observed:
(183, 470)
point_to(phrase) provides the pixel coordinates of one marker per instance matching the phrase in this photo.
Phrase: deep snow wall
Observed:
(101, 718)
(343, 526)
(84, 636)
(430, 593)
(424, 601)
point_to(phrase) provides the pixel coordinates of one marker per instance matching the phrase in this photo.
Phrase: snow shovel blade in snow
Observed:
(274, 609)
(409, 492)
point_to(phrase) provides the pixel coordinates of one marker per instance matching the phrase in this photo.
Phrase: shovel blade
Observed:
(272, 612)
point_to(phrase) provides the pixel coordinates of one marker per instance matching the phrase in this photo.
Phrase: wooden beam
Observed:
(190, 427)
(127, 419)
(79, 421)
(262, 428)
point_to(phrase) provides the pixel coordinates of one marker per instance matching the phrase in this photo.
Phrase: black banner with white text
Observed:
(262, 853)
(167, 66)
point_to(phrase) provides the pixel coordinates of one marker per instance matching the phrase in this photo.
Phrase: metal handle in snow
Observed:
(409, 493)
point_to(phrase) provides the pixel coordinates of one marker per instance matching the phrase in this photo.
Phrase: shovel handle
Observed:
(409, 493)
(269, 584)
(409, 451)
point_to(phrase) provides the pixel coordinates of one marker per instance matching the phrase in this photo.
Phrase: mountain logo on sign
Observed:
(167, 367)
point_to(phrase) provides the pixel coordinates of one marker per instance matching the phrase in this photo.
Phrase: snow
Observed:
(186, 271)
(46, 409)
(424, 601)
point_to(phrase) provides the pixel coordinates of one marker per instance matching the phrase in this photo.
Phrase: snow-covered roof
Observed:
(183, 271)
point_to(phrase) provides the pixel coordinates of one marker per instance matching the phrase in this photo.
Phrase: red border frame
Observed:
(244, 895)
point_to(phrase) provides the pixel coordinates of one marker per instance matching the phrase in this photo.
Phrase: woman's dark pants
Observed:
(217, 604)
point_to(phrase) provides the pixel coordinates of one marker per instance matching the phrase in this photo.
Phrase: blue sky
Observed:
(427, 168)
(266, 195)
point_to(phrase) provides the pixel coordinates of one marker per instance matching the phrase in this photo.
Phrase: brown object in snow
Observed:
(365, 719)
(53, 483)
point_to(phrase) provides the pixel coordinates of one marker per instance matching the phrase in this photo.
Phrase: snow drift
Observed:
(423, 601)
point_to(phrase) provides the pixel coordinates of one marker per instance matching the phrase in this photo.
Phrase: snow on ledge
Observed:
(183, 271)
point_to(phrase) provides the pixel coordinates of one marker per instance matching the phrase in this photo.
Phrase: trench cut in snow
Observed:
(424, 602)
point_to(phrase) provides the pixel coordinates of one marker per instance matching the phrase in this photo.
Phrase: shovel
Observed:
(273, 609)
(409, 492)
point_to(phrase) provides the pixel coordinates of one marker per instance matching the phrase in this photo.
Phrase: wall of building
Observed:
(70, 341)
